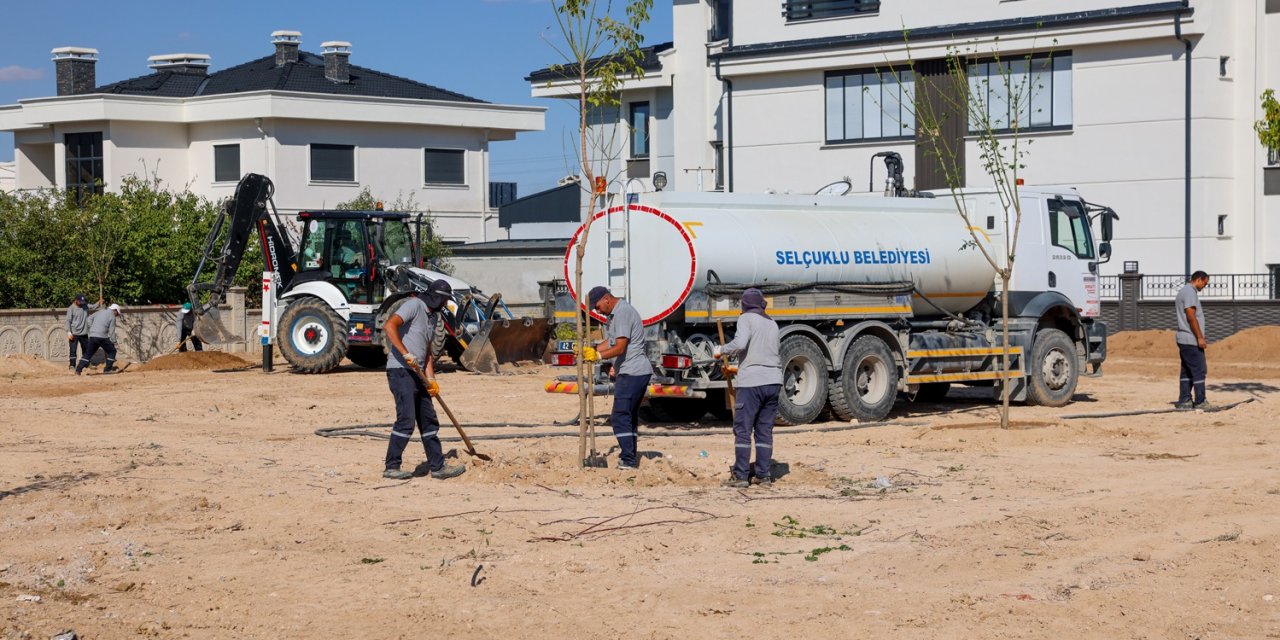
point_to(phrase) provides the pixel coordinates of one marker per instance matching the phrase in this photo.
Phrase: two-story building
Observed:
(320, 127)
(1147, 107)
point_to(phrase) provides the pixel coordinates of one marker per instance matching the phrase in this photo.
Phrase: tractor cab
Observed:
(347, 248)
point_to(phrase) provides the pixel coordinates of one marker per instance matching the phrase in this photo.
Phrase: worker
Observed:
(102, 335)
(186, 326)
(624, 343)
(411, 374)
(756, 385)
(1191, 343)
(78, 327)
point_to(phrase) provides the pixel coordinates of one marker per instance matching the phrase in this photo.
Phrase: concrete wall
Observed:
(516, 278)
(142, 333)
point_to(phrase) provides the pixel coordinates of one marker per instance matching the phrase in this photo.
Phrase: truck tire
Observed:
(933, 392)
(678, 409)
(804, 381)
(1053, 370)
(312, 336)
(868, 382)
(368, 357)
(438, 339)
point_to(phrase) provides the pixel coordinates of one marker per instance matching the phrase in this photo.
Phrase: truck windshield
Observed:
(1069, 228)
(397, 242)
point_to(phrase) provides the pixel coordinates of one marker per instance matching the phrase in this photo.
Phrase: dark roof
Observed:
(535, 247)
(1073, 18)
(558, 204)
(648, 62)
(306, 75)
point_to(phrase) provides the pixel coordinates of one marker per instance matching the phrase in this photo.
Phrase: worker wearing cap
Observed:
(102, 335)
(757, 383)
(77, 322)
(1192, 343)
(411, 374)
(186, 326)
(624, 343)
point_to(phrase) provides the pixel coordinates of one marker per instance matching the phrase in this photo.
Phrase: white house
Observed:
(318, 126)
(1143, 103)
(8, 177)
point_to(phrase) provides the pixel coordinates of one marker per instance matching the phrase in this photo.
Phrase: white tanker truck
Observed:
(875, 296)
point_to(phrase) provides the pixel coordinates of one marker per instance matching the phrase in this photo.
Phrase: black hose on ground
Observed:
(1144, 412)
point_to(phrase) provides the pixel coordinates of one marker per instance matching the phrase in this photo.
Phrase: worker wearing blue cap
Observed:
(186, 326)
(77, 322)
(624, 343)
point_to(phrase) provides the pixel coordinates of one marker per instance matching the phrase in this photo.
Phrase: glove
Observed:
(71, 337)
(433, 388)
(412, 361)
(589, 354)
(715, 352)
(730, 371)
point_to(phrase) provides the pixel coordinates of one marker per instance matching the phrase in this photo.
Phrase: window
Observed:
(226, 162)
(445, 166)
(84, 163)
(639, 130)
(1069, 228)
(721, 20)
(812, 9)
(397, 242)
(1028, 93)
(870, 105)
(333, 163)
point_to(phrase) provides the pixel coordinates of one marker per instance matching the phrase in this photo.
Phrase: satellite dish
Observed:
(837, 188)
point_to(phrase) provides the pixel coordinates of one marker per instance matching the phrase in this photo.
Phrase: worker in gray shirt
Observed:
(78, 327)
(102, 335)
(757, 382)
(1191, 343)
(624, 343)
(411, 375)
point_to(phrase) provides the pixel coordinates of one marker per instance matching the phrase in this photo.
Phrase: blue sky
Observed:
(482, 48)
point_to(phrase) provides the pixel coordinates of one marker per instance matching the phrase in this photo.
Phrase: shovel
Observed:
(728, 379)
(465, 440)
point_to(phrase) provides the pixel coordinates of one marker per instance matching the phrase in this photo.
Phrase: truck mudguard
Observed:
(325, 291)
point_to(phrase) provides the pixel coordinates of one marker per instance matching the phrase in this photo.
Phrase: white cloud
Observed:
(14, 73)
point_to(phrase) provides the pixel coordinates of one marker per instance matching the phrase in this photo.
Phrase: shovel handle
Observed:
(729, 394)
(452, 418)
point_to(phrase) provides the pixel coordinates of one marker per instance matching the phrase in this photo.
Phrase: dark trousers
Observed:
(413, 405)
(78, 341)
(1194, 370)
(106, 345)
(195, 342)
(754, 410)
(628, 393)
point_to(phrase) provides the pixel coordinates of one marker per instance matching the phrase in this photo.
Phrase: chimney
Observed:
(189, 63)
(75, 70)
(287, 43)
(337, 66)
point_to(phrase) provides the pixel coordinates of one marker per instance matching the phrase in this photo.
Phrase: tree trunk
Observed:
(1004, 316)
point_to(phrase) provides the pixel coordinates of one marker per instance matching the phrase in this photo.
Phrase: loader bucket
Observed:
(210, 327)
(506, 342)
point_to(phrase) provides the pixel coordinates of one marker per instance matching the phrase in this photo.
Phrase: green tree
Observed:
(600, 45)
(1268, 128)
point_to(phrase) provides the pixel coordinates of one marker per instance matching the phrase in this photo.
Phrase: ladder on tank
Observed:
(618, 247)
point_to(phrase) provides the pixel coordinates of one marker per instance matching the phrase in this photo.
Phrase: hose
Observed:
(781, 288)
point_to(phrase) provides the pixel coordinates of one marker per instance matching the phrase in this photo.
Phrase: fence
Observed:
(1232, 302)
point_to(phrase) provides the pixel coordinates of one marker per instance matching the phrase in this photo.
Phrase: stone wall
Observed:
(142, 333)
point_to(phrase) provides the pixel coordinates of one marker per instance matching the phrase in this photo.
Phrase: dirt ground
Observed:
(199, 503)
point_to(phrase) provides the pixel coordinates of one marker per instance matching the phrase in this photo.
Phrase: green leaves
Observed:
(1268, 128)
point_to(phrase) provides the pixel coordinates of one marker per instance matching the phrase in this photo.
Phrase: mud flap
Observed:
(506, 342)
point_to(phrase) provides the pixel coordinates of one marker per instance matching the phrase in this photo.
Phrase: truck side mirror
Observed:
(1104, 252)
(1108, 227)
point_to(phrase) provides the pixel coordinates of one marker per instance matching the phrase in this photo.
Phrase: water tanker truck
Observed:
(877, 298)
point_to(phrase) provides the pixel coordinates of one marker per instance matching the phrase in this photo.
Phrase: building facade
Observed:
(321, 128)
(1138, 104)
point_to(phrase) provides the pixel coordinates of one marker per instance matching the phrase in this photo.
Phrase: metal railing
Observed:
(1226, 286)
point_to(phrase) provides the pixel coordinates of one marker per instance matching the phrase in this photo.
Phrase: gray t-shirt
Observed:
(625, 322)
(415, 333)
(78, 318)
(757, 340)
(1188, 298)
(102, 324)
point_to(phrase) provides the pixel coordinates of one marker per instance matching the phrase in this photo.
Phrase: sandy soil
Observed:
(190, 503)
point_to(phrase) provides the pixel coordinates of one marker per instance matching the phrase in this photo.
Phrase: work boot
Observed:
(737, 483)
(1204, 406)
(422, 470)
(449, 471)
(764, 481)
(626, 466)
(1182, 406)
(396, 474)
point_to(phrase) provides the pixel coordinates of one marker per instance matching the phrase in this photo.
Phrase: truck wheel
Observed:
(933, 392)
(1053, 370)
(868, 383)
(438, 339)
(678, 409)
(804, 381)
(368, 357)
(312, 336)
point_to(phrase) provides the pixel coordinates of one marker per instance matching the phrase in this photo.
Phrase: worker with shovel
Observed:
(409, 331)
(625, 343)
(102, 335)
(757, 383)
(186, 329)
(78, 327)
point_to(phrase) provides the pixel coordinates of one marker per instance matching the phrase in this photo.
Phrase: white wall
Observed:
(516, 278)
(147, 149)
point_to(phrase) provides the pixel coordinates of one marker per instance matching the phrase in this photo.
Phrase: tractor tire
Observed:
(804, 381)
(1053, 369)
(933, 392)
(312, 336)
(678, 409)
(368, 357)
(439, 339)
(868, 382)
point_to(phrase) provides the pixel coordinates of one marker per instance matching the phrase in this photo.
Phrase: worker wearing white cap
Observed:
(102, 335)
